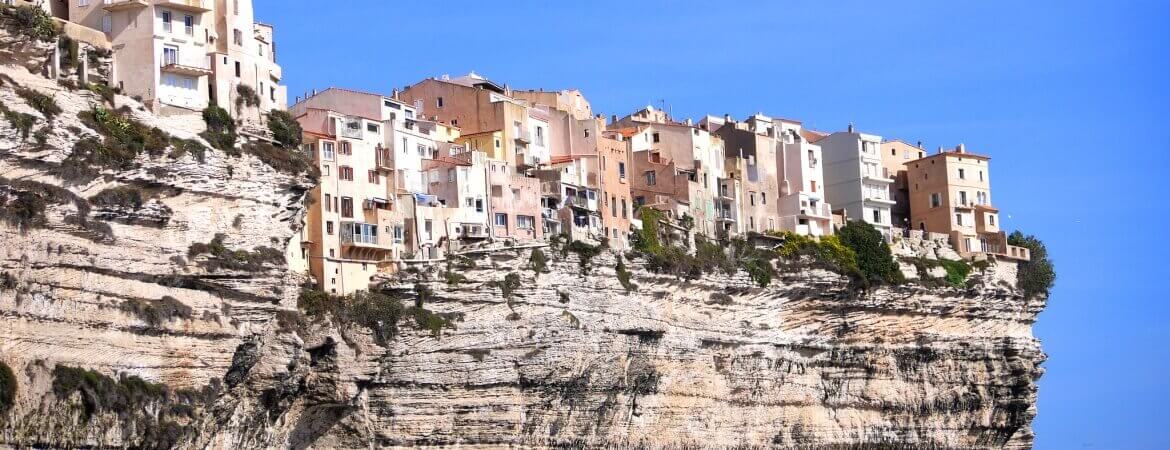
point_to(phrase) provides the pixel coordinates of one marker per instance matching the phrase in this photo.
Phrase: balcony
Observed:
(877, 178)
(124, 5)
(522, 136)
(472, 230)
(195, 6)
(725, 215)
(579, 202)
(549, 215)
(173, 65)
(370, 239)
(820, 211)
(384, 159)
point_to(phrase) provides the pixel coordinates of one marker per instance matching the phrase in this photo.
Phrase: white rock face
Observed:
(569, 360)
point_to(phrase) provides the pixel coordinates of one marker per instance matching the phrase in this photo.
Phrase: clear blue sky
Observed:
(1069, 98)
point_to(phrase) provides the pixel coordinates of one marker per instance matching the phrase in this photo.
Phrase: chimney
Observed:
(919, 144)
(613, 119)
(940, 149)
(688, 122)
(962, 148)
(394, 94)
(850, 127)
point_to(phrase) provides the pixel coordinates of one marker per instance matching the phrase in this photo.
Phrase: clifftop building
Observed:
(950, 193)
(179, 56)
(854, 177)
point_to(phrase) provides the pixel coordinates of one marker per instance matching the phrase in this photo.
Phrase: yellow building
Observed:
(950, 193)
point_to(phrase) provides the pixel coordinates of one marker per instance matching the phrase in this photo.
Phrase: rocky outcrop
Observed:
(188, 350)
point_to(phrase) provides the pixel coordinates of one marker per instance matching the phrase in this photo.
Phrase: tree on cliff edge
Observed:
(1036, 275)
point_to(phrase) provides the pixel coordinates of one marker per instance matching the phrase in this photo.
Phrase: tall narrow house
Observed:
(950, 193)
(855, 180)
(179, 56)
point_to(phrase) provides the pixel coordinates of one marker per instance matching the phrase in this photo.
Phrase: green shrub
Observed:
(157, 312)
(1038, 275)
(374, 311)
(183, 147)
(957, 271)
(35, 23)
(7, 388)
(292, 162)
(40, 102)
(538, 261)
(221, 129)
(21, 121)
(711, 256)
(124, 139)
(508, 285)
(22, 210)
(220, 257)
(121, 196)
(874, 259)
(105, 91)
(585, 253)
(623, 275)
(285, 129)
(454, 278)
(827, 251)
(246, 96)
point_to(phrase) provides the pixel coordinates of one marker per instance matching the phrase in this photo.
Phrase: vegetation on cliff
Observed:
(285, 129)
(378, 312)
(32, 21)
(874, 259)
(220, 257)
(7, 388)
(1038, 275)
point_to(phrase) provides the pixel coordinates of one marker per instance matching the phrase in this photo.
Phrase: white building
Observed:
(854, 178)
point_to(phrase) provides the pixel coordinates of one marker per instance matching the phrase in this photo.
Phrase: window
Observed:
(893, 152)
(622, 170)
(623, 208)
(235, 6)
(237, 69)
(763, 198)
(877, 216)
(328, 203)
(345, 148)
(238, 37)
(398, 233)
(170, 55)
(189, 25)
(613, 206)
(166, 19)
(79, 3)
(526, 222)
(656, 139)
(372, 176)
(329, 227)
(345, 173)
(422, 150)
(814, 185)
(439, 102)
(959, 219)
(962, 175)
(428, 228)
(454, 122)
(980, 175)
(325, 171)
(935, 200)
(586, 133)
(962, 197)
(479, 205)
(327, 151)
(501, 220)
(651, 179)
(991, 219)
(639, 200)
(752, 198)
(540, 136)
(346, 207)
(107, 23)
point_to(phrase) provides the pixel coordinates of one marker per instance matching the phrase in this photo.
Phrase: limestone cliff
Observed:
(569, 358)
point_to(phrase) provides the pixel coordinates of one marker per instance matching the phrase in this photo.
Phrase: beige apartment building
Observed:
(514, 137)
(617, 203)
(179, 56)
(895, 155)
(950, 193)
(752, 151)
(688, 161)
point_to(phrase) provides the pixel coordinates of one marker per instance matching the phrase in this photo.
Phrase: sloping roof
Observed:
(812, 135)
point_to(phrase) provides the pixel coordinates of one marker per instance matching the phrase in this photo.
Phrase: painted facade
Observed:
(950, 192)
(855, 180)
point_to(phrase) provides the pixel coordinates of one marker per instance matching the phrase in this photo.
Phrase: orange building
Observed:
(950, 192)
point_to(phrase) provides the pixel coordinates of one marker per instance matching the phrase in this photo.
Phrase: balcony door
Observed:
(170, 55)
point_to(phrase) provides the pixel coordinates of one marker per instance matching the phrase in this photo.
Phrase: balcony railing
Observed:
(196, 6)
(384, 158)
(580, 202)
(550, 188)
(523, 136)
(821, 210)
